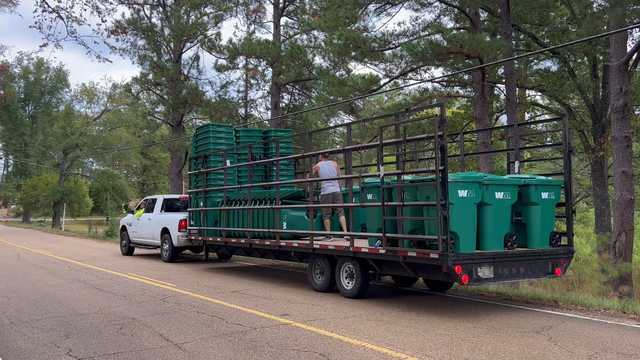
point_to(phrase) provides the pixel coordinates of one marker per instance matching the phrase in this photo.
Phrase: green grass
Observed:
(95, 229)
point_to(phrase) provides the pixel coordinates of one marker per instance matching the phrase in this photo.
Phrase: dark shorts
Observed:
(331, 198)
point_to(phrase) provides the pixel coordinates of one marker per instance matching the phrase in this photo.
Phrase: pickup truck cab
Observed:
(158, 221)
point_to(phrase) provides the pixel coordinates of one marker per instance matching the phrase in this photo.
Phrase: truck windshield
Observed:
(175, 205)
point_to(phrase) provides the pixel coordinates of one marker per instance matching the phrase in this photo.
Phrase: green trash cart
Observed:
(499, 194)
(535, 210)
(371, 192)
(465, 194)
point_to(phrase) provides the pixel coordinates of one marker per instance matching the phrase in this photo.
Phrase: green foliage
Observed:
(109, 193)
(40, 192)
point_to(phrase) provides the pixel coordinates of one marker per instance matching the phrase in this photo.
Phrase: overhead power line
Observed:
(454, 73)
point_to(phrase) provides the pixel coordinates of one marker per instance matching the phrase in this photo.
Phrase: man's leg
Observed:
(326, 212)
(327, 224)
(337, 199)
(343, 223)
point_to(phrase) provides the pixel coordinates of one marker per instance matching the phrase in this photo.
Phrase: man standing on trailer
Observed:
(329, 190)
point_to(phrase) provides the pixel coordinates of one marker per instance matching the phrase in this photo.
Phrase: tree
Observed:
(165, 38)
(622, 64)
(33, 89)
(109, 192)
(41, 192)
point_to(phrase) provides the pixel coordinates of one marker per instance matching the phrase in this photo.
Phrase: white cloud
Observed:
(16, 35)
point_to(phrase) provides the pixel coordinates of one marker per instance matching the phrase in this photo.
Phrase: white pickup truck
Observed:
(158, 221)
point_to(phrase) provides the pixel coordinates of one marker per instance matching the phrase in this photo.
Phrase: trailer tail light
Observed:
(182, 225)
(557, 271)
(464, 279)
(457, 269)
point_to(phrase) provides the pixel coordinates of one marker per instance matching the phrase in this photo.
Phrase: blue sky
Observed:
(16, 35)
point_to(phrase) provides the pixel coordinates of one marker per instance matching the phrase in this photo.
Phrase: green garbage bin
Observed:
(465, 194)
(535, 215)
(411, 193)
(499, 194)
(358, 223)
(371, 192)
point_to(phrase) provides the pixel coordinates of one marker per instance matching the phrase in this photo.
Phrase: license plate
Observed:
(485, 272)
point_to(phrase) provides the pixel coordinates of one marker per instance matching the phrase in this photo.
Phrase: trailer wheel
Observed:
(223, 255)
(352, 278)
(126, 249)
(438, 285)
(404, 281)
(321, 274)
(168, 252)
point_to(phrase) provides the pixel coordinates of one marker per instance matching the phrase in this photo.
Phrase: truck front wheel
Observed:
(352, 278)
(320, 273)
(126, 249)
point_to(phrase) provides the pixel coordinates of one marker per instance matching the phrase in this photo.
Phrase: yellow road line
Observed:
(154, 280)
(313, 329)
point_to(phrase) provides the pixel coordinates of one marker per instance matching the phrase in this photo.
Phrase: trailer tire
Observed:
(126, 249)
(404, 281)
(352, 278)
(168, 252)
(223, 255)
(438, 285)
(321, 274)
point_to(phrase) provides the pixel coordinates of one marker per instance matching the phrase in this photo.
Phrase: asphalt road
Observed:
(70, 298)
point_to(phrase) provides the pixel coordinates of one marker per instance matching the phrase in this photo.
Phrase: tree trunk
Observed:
(621, 245)
(177, 151)
(511, 88)
(58, 205)
(275, 91)
(480, 101)
(27, 215)
(599, 166)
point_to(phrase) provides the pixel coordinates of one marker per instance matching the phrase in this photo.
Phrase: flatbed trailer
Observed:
(421, 143)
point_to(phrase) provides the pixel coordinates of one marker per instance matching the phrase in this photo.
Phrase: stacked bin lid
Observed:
(250, 147)
(279, 141)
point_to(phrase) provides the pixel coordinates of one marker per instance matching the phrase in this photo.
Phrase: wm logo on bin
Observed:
(465, 193)
(547, 195)
(503, 195)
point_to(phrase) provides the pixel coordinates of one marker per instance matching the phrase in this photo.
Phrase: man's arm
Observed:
(314, 170)
(335, 164)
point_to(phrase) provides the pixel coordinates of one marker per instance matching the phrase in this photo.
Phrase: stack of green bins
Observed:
(249, 140)
(279, 141)
(534, 212)
(211, 147)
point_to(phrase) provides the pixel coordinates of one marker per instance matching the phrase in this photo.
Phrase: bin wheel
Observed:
(510, 241)
(223, 255)
(404, 281)
(352, 278)
(555, 239)
(438, 285)
(321, 274)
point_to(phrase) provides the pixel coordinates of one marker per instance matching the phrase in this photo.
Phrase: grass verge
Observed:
(73, 229)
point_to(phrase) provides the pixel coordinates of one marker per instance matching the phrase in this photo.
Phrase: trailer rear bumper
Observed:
(514, 265)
